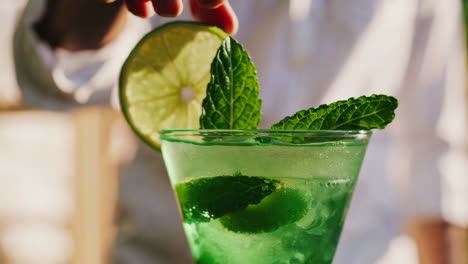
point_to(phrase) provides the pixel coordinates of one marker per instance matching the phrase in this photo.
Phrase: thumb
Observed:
(222, 16)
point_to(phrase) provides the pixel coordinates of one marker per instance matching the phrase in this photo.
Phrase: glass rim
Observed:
(168, 133)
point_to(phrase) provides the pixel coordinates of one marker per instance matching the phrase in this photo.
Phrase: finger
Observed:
(222, 16)
(141, 8)
(107, 1)
(211, 3)
(168, 8)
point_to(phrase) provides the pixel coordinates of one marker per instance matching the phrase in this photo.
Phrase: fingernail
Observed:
(211, 3)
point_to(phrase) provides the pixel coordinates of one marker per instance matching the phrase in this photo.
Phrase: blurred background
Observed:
(77, 187)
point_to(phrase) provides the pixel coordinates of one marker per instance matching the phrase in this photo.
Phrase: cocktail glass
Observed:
(306, 180)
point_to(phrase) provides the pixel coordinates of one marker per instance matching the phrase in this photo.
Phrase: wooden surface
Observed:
(96, 185)
(59, 173)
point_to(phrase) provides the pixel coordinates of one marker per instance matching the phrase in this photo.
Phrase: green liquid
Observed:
(311, 239)
(299, 223)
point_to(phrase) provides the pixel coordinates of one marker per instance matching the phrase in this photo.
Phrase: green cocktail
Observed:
(259, 196)
(246, 196)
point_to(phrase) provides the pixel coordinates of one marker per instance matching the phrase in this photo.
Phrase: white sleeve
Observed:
(9, 92)
(432, 133)
(454, 126)
(75, 78)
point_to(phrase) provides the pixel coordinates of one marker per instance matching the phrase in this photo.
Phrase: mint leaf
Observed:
(206, 257)
(204, 199)
(375, 111)
(280, 208)
(232, 100)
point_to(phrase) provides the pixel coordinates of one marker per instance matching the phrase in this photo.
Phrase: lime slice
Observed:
(163, 81)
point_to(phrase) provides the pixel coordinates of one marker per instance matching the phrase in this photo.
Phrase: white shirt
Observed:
(412, 49)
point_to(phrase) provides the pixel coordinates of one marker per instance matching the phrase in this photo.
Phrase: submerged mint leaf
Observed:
(278, 209)
(204, 199)
(365, 112)
(232, 97)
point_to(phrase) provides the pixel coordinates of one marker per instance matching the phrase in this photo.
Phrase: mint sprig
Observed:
(365, 112)
(232, 100)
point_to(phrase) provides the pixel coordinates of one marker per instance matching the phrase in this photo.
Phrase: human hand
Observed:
(214, 12)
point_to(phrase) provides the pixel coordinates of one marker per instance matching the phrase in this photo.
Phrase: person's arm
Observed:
(430, 236)
(458, 241)
(439, 241)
